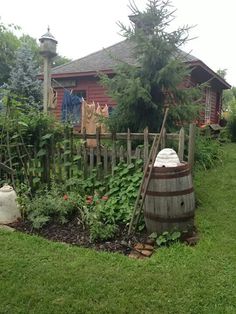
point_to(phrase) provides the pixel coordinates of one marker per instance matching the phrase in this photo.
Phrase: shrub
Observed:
(48, 206)
(208, 152)
(101, 212)
(231, 125)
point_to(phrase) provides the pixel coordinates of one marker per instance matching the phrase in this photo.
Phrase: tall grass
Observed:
(208, 153)
(231, 125)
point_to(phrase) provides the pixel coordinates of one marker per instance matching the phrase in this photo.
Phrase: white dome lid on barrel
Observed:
(167, 157)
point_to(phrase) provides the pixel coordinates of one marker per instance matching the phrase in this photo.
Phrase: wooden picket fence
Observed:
(70, 156)
(121, 148)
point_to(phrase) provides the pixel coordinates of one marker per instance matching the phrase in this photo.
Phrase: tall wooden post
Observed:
(48, 50)
(46, 82)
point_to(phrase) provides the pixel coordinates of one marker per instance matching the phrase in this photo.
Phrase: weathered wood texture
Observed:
(69, 156)
(170, 202)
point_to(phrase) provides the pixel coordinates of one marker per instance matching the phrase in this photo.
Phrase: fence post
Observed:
(84, 153)
(191, 143)
(98, 142)
(181, 145)
(105, 156)
(145, 150)
(113, 153)
(128, 147)
(121, 153)
(163, 139)
(91, 159)
(71, 150)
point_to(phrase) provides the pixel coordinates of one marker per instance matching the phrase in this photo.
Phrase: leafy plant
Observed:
(116, 207)
(166, 238)
(48, 206)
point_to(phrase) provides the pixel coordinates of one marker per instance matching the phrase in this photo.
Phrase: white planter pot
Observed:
(9, 211)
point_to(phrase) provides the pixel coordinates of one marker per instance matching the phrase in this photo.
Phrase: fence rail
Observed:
(65, 157)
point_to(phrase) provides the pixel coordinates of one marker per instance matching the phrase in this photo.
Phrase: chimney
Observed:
(142, 22)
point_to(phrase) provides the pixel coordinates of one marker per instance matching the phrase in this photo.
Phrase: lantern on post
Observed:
(48, 46)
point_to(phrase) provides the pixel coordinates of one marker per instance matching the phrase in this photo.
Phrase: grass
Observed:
(37, 276)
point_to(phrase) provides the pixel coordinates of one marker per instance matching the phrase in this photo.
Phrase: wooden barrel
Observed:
(170, 202)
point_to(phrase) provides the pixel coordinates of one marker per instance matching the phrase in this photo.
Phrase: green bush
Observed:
(100, 211)
(231, 125)
(115, 208)
(47, 206)
(208, 152)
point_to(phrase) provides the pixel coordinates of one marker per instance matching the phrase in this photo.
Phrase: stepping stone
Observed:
(136, 255)
(141, 246)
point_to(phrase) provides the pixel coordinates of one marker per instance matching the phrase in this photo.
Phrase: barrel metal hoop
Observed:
(182, 218)
(170, 176)
(177, 169)
(171, 193)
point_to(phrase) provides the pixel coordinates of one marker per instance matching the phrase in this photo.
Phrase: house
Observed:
(80, 77)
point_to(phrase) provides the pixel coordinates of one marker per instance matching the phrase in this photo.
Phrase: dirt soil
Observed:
(73, 233)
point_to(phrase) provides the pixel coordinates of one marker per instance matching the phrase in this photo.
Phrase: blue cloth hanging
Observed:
(71, 108)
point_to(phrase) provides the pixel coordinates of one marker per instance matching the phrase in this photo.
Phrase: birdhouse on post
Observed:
(48, 47)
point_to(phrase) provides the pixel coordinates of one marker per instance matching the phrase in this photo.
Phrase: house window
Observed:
(80, 93)
(207, 119)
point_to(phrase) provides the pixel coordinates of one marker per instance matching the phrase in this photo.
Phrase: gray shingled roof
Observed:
(106, 59)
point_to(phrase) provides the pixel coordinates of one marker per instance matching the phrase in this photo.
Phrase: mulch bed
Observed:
(73, 233)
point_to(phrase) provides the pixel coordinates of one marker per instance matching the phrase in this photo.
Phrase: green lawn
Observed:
(37, 276)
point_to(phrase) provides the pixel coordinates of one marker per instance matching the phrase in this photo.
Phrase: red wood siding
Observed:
(94, 92)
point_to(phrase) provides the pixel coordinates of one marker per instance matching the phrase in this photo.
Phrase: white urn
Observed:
(9, 211)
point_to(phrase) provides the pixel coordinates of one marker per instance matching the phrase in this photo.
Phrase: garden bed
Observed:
(74, 233)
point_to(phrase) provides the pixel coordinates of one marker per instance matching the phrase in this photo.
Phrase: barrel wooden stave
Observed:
(170, 201)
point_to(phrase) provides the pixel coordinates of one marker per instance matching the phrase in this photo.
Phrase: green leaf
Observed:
(15, 136)
(41, 152)
(23, 123)
(153, 235)
(67, 164)
(76, 158)
(67, 152)
(161, 240)
(130, 166)
(165, 233)
(175, 235)
(36, 180)
(46, 136)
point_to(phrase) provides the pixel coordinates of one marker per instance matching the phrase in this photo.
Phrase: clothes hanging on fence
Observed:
(89, 121)
(52, 98)
(92, 117)
(71, 106)
(102, 114)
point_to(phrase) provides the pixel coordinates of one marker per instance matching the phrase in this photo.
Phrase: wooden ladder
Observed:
(146, 178)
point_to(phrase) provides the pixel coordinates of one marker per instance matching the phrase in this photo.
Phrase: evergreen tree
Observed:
(8, 45)
(23, 76)
(141, 91)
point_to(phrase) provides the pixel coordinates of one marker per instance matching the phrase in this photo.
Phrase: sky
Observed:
(82, 27)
